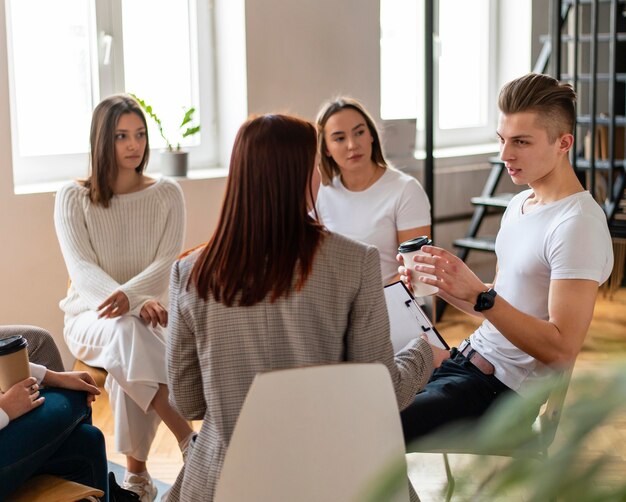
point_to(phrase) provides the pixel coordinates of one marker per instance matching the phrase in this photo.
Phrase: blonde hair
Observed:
(553, 102)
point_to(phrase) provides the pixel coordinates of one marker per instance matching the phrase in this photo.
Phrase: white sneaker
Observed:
(142, 486)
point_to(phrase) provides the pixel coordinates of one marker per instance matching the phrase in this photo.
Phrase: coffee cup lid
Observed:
(414, 244)
(12, 344)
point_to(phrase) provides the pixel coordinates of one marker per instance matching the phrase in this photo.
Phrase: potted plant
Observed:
(174, 160)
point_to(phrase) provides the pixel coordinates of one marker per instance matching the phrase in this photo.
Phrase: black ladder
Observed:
(487, 203)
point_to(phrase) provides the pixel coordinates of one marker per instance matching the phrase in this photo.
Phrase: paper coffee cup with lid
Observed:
(408, 249)
(13, 361)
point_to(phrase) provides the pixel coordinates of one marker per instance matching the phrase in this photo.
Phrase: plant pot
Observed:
(174, 163)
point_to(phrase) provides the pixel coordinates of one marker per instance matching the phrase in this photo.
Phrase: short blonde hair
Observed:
(552, 101)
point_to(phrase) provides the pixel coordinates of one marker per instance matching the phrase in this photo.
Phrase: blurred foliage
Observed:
(570, 472)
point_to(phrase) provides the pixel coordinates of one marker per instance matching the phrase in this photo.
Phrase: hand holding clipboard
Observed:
(407, 320)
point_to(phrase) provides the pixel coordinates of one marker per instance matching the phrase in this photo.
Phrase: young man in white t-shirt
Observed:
(554, 250)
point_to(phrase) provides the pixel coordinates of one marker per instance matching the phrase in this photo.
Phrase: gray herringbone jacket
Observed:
(215, 351)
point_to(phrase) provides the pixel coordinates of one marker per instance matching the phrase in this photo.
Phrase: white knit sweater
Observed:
(129, 246)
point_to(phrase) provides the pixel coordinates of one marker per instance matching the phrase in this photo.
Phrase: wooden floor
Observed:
(606, 342)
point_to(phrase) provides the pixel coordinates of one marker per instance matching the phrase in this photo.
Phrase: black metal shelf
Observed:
(601, 77)
(618, 229)
(585, 37)
(601, 119)
(602, 165)
(589, 2)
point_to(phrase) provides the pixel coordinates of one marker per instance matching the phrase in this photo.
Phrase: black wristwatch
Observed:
(485, 300)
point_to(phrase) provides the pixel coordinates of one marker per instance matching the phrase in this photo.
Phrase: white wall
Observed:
(301, 53)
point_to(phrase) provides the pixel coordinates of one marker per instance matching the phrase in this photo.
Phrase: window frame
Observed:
(447, 138)
(106, 19)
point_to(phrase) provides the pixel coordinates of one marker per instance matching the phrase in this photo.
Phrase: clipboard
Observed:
(407, 319)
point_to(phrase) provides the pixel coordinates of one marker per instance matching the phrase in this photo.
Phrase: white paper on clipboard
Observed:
(407, 320)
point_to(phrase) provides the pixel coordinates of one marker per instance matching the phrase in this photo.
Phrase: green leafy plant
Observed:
(572, 472)
(184, 130)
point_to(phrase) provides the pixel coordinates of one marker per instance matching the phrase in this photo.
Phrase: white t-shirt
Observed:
(395, 202)
(567, 239)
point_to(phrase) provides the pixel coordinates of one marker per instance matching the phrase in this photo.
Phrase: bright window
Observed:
(464, 67)
(85, 50)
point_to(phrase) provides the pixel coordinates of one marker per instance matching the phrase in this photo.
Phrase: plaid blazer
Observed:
(215, 351)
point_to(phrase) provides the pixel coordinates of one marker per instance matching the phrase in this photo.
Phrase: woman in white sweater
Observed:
(361, 196)
(120, 231)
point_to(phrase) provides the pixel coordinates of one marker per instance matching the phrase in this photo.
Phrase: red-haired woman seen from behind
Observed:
(272, 289)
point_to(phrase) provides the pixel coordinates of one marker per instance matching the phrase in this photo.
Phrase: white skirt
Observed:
(133, 354)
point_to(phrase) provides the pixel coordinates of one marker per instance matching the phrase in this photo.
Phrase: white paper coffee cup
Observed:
(408, 249)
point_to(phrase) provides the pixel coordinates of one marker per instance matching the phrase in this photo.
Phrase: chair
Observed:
(47, 488)
(98, 374)
(541, 437)
(315, 433)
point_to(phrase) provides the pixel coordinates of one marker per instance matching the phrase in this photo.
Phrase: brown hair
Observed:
(553, 102)
(328, 166)
(103, 166)
(264, 229)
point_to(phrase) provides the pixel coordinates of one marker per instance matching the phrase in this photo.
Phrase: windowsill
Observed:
(54, 186)
(204, 174)
(460, 151)
(455, 152)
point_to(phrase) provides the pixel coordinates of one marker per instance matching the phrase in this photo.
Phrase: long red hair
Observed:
(265, 240)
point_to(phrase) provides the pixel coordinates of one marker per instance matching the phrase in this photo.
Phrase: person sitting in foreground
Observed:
(48, 430)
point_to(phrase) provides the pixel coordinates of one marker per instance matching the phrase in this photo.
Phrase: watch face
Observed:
(485, 300)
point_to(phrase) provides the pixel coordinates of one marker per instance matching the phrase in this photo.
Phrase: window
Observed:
(85, 50)
(464, 67)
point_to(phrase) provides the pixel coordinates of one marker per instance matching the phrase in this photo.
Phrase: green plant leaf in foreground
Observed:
(570, 473)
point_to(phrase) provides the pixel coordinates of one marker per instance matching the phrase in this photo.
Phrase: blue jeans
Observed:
(456, 391)
(55, 438)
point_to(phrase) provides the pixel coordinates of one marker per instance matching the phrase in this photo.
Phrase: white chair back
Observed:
(319, 433)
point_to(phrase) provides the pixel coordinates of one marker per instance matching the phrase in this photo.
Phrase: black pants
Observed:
(457, 390)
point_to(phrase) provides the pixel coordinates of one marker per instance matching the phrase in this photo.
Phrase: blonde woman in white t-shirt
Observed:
(360, 195)
(120, 231)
